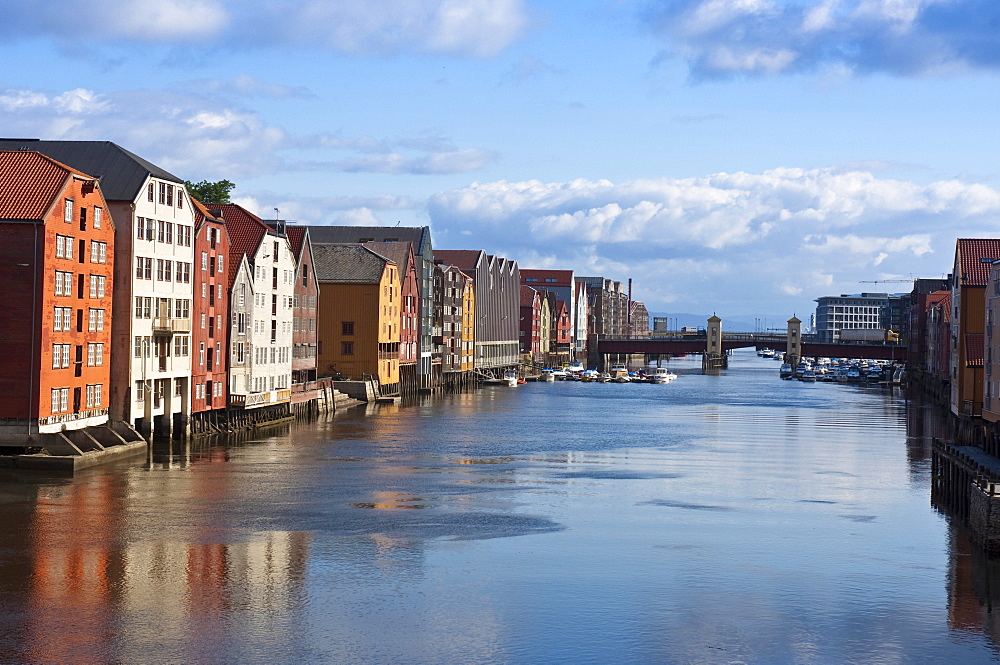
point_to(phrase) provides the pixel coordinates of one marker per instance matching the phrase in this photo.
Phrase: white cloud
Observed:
(471, 28)
(727, 239)
(721, 38)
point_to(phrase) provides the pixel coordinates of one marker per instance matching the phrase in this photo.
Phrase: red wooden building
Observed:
(210, 313)
(56, 266)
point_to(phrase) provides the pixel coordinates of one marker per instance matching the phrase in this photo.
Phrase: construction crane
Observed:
(884, 281)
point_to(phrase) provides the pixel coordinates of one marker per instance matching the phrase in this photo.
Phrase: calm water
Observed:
(732, 518)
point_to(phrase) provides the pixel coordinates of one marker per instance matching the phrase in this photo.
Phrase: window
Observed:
(98, 252)
(347, 327)
(170, 195)
(98, 214)
(159, 270)
(181, 345)
(277, 247)
(60, 356)
(64, 247)
(95, 355)
(140, 227)
(201, 353)
(163, 192)
(62, 319)
(149, 192)
(161, 230)
(64, 283)
(169, 232)
(60, 400)
(347, 348)
(97, 283)
(180, 198)
(204, 260)
(68, 210)
(168, 270)
(94, 395)
(182, 308)
(96, 320)
(220, 262)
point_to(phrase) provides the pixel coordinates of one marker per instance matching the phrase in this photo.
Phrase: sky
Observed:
(742, 157)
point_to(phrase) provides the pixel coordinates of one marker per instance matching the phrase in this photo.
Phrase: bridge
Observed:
(714, 345)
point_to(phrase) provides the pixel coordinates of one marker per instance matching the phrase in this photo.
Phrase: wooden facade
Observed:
(57, 252)
(210, 310)
(359, 310)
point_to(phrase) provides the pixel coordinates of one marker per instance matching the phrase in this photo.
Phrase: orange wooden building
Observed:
(56, 267)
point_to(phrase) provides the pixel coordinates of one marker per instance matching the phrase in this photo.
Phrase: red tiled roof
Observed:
(246, 232)
(29, 182)
(974, 349)
(969, 253)
(296, 238)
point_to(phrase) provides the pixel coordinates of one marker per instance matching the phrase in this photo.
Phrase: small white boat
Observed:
(575, 367)
(589, 375)
(510, 378)
(604, 377)
(662, 375)
(548, 375)
(619, 374)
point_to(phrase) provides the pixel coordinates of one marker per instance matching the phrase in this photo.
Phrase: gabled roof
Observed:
(528, 296)
(29, 183)
(464, 259)
(122, 173)
(297, 239)
(246, 232)
(974, 349)
(348, 263)
(418, 235)
(969, 252)
(202, 213)
(397, 252)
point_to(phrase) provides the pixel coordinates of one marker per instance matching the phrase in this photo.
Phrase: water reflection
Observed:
(736, 519)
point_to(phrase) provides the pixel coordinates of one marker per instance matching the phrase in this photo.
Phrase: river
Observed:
(721, 518)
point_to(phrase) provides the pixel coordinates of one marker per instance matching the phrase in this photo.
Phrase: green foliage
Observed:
(210, 193)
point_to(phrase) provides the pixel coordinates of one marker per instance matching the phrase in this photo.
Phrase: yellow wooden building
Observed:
(358, 315)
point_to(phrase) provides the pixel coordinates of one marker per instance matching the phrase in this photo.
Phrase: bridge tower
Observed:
(714, 356)
(793, 350)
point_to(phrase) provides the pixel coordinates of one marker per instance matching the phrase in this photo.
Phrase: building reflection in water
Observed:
(110, 583)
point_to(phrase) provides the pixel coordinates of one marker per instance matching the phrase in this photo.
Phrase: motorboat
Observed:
(619, 374)
(604, 377)
(575, 367)
(808, 375)
(589, 375)
(662, 375)
(510, 378)
(548, 375)
(786, 371)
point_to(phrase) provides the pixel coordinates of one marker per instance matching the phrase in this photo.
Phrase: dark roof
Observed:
(464, 259)
(29, 183)
(122, 173)
(418, 235)
(565, 277)
(397, 252)
(347, 264)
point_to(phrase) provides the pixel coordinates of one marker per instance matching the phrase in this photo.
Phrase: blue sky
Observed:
(738, 156)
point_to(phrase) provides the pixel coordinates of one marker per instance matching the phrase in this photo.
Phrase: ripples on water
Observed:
(724, 518)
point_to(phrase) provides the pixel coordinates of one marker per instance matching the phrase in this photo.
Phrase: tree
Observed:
(210, 193)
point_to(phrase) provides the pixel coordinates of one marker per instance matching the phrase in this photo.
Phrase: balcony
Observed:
(168, 325)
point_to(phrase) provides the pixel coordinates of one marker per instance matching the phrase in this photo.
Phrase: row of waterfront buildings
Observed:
(129, 301)
(949, 327)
